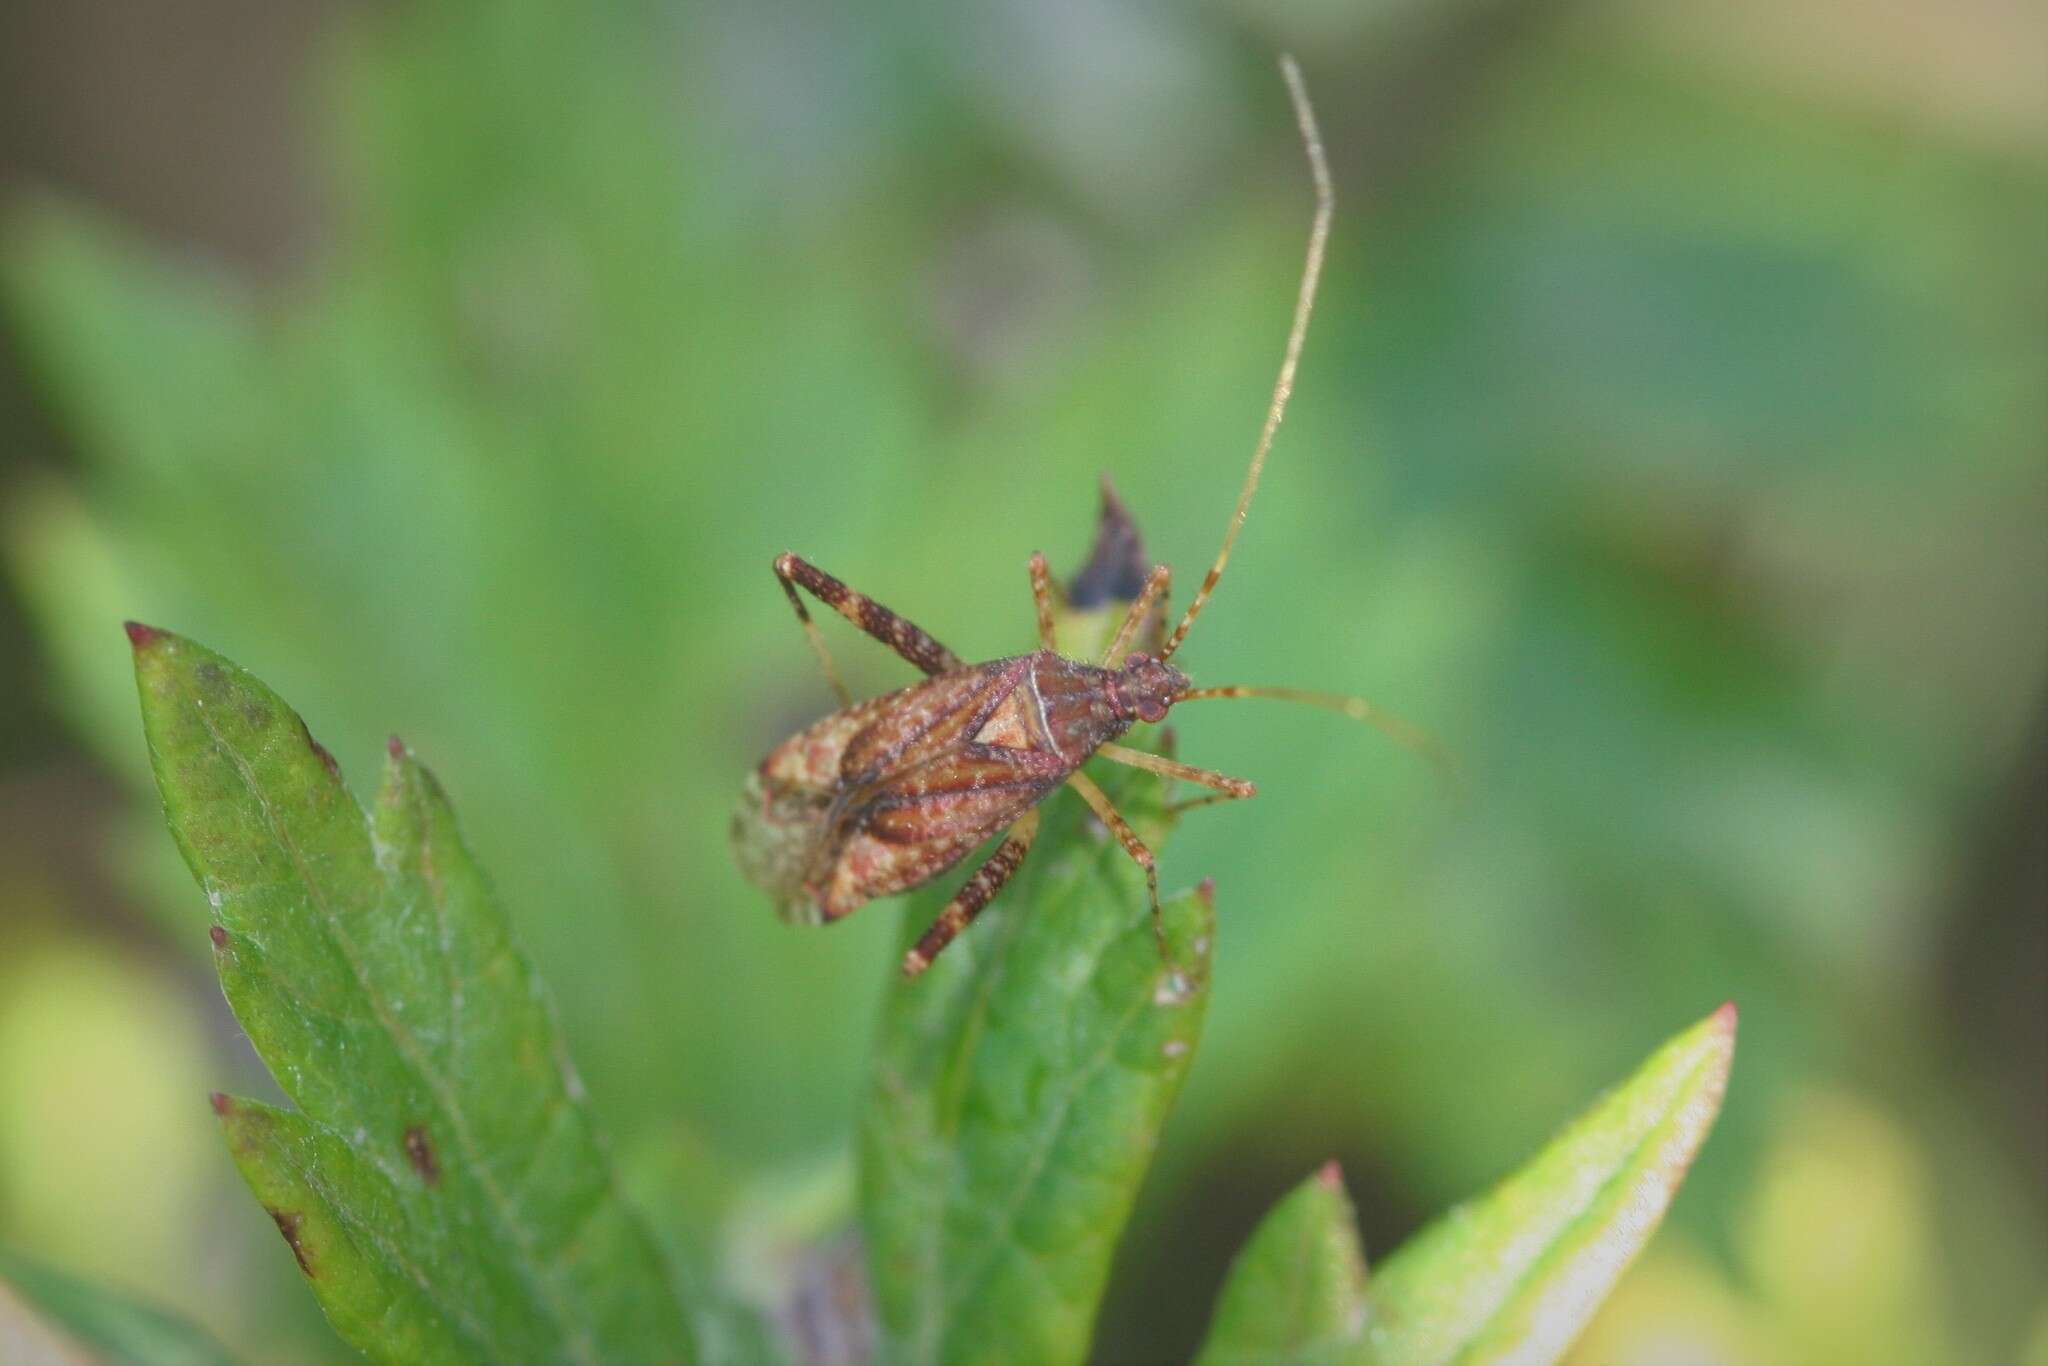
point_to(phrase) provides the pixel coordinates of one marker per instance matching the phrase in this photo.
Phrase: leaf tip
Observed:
(1331, 1175)
(1720, 1030)
(395, 747)
(1206, 889)
(223, 1104)
(1713, 1039)
(141, 636)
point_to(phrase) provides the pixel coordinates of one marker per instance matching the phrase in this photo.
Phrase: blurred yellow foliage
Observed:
(1838, 1236)
(103, 1123)
(1834, 1246)
(1676, 1308)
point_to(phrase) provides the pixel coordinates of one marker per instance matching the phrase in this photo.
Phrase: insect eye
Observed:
(1136, 660)
(1151, 710)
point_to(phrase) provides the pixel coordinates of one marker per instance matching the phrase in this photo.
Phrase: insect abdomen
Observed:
(784, 816)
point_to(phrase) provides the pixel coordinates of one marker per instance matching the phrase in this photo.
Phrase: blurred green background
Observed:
(1672, 439)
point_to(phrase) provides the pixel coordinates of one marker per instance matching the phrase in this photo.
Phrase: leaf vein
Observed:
(577, 1336)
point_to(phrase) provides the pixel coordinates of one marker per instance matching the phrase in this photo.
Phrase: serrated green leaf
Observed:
(112, 1327)
(442, 1185)
(345, 1225)
(1019, 1091)
(1295, 1295)
(1515, 1274)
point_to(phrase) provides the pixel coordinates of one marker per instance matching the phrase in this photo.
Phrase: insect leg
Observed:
(1098, 802)
(803, 615)
(1041, 594)
(1196, 803)
(1165, 615)
(1226, 787)
(979, 891)
(900, 634)
(1160, 580)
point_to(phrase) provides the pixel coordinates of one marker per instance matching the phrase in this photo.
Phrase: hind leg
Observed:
(1224, 788)
(900, 634)
(979, 891)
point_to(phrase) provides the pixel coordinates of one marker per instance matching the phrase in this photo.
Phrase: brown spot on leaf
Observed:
(288, 1224)
(419, 1150)
(219, 937)
(140, 636)
(210, 674)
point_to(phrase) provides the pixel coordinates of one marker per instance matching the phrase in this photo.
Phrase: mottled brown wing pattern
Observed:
(922, 822)
(929, 720)
(785, 808)
(886, 794)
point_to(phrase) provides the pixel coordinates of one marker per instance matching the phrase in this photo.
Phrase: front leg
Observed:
(979, 891)
(1224, 788)
(1098, 802)
(1157, 585)
(1041, 597)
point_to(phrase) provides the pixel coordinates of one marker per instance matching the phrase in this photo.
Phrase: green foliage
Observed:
(1516, 1274)
(1668, 439)
(1296, 1295)
(442, 1192)
(441, 1186)
(86, 1318)
(1018, 1096)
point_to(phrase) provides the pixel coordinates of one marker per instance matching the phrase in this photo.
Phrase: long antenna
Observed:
(1406, 734)
(1304, 304)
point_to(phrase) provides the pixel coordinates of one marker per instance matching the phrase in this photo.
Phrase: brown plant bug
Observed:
(887, 794)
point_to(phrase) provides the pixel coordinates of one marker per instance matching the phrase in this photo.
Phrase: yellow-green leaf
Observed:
(1515, 1274)
(1295, 1295)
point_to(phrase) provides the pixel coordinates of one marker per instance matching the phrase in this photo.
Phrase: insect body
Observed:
(885, 795)
(888, 793)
